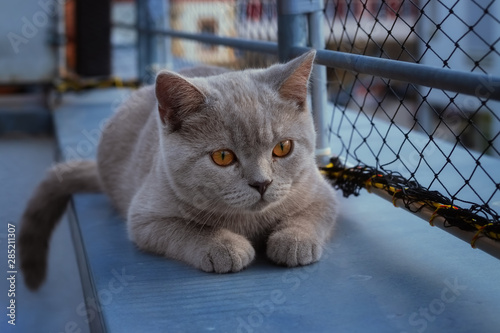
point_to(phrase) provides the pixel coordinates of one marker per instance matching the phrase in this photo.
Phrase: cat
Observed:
(203, 165)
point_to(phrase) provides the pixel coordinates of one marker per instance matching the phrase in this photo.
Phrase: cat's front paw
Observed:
(229, 253)
(293, 247)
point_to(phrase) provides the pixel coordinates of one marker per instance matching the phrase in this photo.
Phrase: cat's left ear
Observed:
(294, 87)
(177, 98)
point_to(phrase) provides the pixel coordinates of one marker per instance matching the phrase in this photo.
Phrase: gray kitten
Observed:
(203, 166)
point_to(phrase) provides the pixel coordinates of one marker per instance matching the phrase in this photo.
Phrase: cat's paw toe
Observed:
(293, 247)
(229, 254)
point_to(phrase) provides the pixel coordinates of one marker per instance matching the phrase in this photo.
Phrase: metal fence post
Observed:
(169, 61)
(158, 20)
(319, 93)
(292, 28)
(300, 24)
(144, 42)
(141, 18)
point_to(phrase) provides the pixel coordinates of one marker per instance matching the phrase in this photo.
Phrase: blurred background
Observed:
(54, 46)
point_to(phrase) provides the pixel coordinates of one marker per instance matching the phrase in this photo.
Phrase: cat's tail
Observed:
(45, 208)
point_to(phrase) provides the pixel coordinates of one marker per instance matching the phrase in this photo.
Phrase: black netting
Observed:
(448, 142)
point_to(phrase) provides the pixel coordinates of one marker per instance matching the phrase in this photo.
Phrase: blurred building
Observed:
(215, 17)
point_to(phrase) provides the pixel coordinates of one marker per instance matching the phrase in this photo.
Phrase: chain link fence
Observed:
(425, 131)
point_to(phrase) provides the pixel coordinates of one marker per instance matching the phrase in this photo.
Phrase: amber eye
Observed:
(223, 157)
(283, 148)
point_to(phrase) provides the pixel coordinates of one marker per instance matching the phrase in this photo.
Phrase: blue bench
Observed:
(385, 270)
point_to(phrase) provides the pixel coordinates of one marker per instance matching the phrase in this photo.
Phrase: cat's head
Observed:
(240, 141)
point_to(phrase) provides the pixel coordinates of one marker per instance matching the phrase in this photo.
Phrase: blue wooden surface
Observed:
(384, 271)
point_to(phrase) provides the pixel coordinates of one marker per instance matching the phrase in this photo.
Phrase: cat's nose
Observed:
(261, 187)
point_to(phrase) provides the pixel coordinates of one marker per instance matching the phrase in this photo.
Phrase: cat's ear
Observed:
(177, 98)
(294, 87)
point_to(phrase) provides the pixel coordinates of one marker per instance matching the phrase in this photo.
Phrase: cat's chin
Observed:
(260, 206)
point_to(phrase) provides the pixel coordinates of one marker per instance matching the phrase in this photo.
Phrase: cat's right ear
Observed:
(298, 71)
(177, 98)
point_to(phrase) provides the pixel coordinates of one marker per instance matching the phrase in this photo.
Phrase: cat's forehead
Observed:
(247, 96)
(241, 87)
(244, 111)
(251, 109)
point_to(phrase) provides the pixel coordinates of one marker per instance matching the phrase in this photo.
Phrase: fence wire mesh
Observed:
(417, 131)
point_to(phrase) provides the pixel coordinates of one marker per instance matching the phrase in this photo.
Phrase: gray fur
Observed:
(154, 163)
(45, 208)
